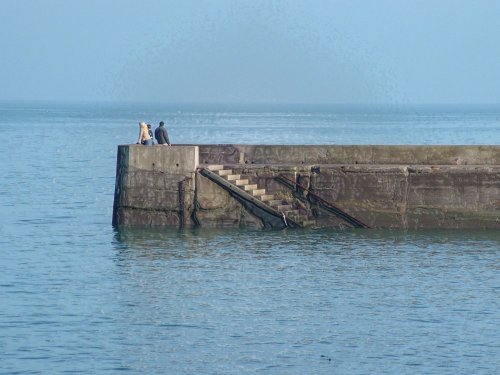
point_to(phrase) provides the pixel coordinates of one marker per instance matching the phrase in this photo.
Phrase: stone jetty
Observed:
(307, 186)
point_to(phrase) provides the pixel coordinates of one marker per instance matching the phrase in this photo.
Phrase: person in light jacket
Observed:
(144, 137)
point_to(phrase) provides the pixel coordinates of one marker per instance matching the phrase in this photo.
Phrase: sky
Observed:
(251, 51)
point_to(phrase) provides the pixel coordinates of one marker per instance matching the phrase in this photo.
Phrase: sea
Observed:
(78, 296)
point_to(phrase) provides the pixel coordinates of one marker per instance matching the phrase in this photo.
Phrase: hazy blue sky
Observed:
(371, 51)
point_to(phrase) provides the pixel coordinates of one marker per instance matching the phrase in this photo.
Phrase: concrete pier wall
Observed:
(384, 186)
(154, 185)
(349, 154)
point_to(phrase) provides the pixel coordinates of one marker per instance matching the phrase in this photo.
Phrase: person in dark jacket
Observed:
(161, 135)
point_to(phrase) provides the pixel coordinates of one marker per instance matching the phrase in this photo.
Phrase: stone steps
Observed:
(241, 182)
(266, 197)
(279, 205)
(294, 215)
(224, 172)
(308, 223)
(250, 187)
(258, 192)
(214, 168)
(275, 202)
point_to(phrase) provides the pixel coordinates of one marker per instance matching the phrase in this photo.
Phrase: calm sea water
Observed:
(76, 296)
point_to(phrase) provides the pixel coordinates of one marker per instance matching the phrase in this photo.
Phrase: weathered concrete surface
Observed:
(349, 154)
(154, 185)
(384, 186)
(413, 197)
(217, 209)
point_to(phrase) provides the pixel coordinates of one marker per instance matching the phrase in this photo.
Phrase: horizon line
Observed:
(251, 103)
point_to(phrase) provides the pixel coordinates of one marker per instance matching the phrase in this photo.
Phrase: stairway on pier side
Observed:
(282, 206)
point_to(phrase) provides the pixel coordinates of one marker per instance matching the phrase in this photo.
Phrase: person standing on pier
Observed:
(161, 135)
